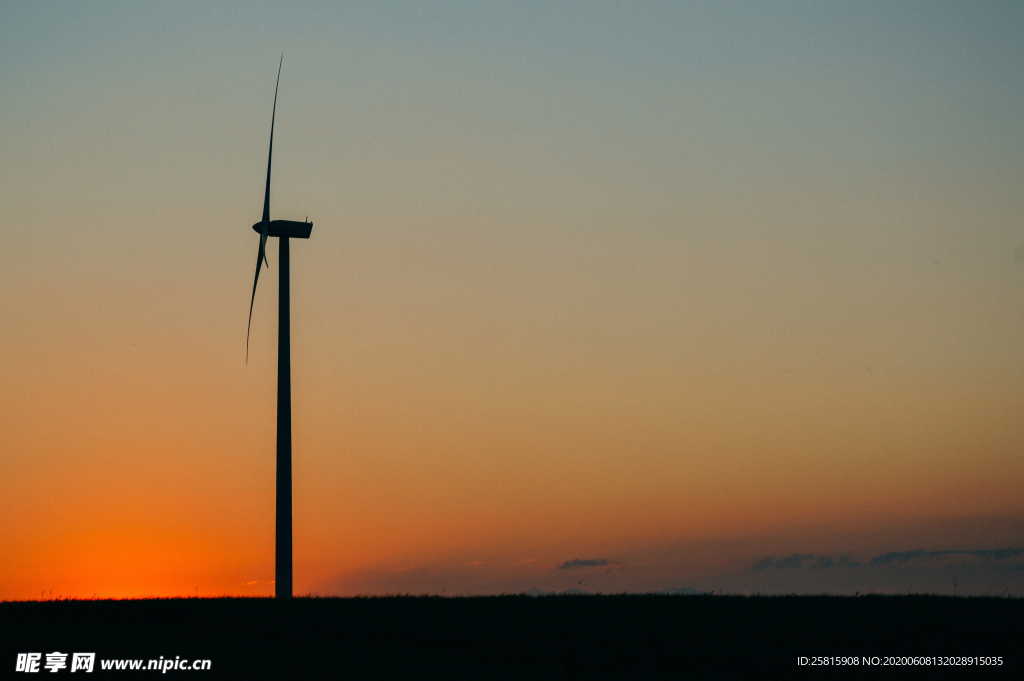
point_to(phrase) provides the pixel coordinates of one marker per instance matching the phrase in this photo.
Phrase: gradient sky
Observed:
(665, 288)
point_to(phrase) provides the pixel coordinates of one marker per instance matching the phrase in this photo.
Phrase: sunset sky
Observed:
(602, 296)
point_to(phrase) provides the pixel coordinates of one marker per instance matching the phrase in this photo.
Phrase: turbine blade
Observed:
(270, 150)
(261, 257)
(263, 245)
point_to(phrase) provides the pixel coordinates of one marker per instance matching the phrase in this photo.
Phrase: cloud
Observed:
(584, 563)
(915, 556)
(918, 555)
(994, 571)
(803, 560)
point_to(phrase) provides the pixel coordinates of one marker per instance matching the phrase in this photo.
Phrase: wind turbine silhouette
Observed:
(283, 230)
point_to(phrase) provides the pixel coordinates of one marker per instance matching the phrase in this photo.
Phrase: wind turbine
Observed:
(283, 230)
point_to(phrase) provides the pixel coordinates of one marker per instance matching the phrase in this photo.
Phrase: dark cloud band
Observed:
(815, 561)
(583, 563)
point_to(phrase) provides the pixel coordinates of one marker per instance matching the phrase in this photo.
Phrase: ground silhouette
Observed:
(524, 637)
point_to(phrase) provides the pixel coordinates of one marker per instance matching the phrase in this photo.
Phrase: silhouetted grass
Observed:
(523, 637)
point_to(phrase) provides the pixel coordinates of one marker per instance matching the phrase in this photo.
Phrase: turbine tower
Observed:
(283, 230)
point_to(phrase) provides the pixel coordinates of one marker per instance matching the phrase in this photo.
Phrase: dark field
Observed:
(517, 637)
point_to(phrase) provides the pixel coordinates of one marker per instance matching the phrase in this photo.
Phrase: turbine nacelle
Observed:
(294, 229)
